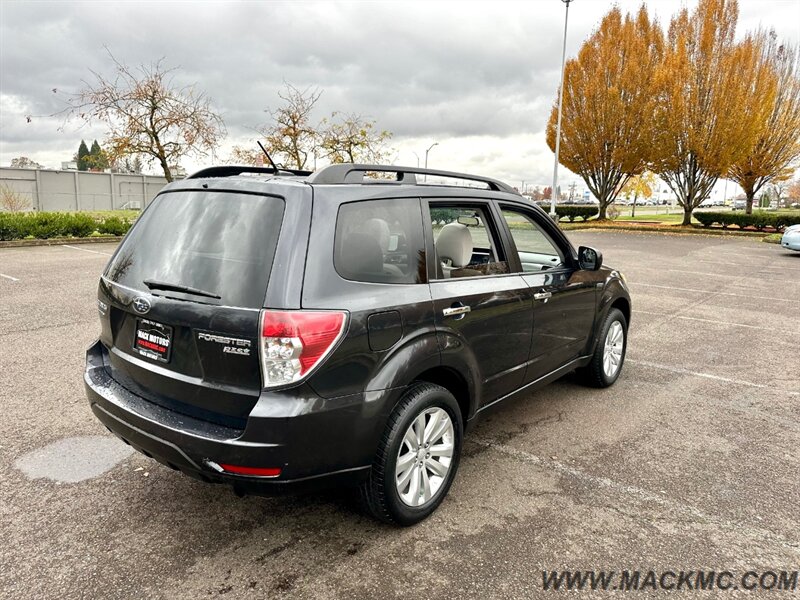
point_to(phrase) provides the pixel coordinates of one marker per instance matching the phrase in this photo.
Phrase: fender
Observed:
(413, 357)
(405, 361)
(613, 289)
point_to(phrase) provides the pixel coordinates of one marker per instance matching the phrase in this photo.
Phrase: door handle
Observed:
(542, 296)
(456, 310)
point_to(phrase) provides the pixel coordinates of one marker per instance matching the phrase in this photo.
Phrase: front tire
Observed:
(417, 457)
(609, 353)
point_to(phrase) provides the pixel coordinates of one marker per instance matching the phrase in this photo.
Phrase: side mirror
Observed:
(589, 259)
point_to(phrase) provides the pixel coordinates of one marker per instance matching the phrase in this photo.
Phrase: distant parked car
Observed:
(791, 238)
(739, 204)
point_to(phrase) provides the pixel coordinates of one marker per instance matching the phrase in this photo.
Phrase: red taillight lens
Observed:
(252, 471)
(294, 342)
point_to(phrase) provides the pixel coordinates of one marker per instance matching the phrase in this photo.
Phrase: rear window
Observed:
(380, 241)
(216, 242)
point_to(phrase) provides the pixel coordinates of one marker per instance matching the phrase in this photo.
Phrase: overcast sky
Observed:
(478, 78)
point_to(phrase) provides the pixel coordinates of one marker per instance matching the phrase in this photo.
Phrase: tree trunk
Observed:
(687, 216)
(165, 167)
(749, 206)
(633, 210)
(601, 216)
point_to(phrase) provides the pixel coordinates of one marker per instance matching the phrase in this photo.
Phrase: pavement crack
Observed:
(642, 494)
(49, 327)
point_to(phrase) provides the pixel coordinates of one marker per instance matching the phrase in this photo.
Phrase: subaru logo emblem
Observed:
(141, 305)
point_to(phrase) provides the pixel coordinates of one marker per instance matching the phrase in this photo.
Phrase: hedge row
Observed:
(572, 211)
(42, 225)
(758, 219)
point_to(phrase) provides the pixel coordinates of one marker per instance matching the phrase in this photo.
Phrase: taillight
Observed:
(294, 342)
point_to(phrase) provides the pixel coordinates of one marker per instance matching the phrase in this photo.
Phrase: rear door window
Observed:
(465, 241)
(220, 243)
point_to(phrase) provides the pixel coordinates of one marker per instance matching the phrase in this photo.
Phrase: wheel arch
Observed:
(455, 383)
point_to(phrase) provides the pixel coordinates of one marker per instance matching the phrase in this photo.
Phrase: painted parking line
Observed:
(765, 273)
(715, 321)
(704, 273)
(682, 371)
(85, 250)
(714, 292)
(720, 322)
(8, 277)
(721, 262)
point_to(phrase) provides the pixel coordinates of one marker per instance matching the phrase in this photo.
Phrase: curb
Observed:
(670, 230)
(59, 241)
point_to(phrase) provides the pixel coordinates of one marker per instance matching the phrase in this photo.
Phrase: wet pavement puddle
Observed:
(74, 459)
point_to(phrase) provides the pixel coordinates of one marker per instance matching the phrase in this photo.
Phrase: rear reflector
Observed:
(252, 471)
(294, 342)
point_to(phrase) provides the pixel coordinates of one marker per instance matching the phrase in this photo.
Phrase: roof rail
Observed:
(350, 173)
(232, 170)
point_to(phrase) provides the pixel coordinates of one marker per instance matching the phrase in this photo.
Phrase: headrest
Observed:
(379, 229)
(455, 243)
(361, 254)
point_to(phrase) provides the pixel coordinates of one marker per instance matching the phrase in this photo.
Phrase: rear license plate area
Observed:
(153, 340)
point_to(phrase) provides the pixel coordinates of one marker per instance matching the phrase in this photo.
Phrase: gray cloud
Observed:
(484, 72)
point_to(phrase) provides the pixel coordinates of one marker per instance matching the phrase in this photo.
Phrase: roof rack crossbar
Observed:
(349, 173)
(232, 170)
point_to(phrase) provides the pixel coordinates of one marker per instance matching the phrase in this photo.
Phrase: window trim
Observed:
(489, 210)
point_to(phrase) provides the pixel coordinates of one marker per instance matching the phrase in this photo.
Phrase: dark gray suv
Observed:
(283, 330)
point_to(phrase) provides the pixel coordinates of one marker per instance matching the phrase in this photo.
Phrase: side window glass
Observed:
(537, 250)
(380, 241)
(465, 243)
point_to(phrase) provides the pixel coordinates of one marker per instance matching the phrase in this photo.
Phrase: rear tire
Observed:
(609, 353)
(417, 457)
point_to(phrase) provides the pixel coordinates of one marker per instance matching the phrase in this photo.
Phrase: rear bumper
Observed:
(316, 442)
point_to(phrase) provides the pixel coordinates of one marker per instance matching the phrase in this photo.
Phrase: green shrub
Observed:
(759, 219)
(114, 226)
(574, 211)
(43, 225)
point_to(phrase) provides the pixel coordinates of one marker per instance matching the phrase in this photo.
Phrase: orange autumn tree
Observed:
(714, 97)
(609, 100)
(777, 150)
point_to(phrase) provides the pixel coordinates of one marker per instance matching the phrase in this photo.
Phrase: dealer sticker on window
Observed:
(153, 340)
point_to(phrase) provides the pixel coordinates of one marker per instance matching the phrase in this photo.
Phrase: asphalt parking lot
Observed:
(690, 461)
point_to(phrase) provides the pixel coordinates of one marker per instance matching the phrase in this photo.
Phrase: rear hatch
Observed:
(181, 298)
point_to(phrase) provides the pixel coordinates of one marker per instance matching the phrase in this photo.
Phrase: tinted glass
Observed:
(380, 241)
(221, 243)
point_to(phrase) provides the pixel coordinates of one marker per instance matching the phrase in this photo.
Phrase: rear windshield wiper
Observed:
(177, 287)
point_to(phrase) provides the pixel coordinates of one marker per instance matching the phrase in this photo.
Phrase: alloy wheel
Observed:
(425, 456)
(612, 354)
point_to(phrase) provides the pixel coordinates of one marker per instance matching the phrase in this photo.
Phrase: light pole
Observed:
(417, 155)
(558, 125)
(428, 150)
